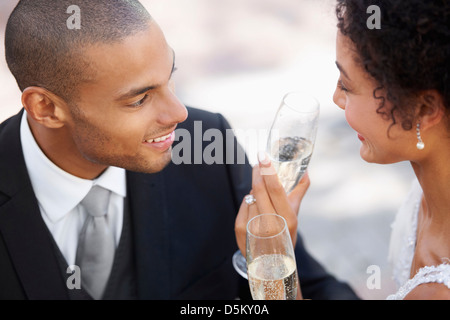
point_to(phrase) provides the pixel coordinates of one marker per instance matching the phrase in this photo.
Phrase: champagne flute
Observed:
(292, 136)
(272, 270)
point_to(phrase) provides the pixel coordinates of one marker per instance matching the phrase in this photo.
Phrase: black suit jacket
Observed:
(182, 223)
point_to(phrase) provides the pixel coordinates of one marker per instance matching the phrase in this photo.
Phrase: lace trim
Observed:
(429, 274)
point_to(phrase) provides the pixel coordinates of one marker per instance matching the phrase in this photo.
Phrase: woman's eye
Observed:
(140, 102)
(341, 86)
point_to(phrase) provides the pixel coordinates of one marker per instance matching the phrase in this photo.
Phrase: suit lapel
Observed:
(21, 225)
(31, 248)
(151, 234)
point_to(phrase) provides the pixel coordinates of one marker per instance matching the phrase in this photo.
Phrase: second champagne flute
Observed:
(272, 270)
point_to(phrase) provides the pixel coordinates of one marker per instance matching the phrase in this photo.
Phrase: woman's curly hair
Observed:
(409, 54)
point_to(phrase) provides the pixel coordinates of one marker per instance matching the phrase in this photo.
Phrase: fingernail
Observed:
(263, 158)
(265, 164)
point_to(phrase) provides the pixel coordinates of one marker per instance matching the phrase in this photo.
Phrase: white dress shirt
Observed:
(59, 194)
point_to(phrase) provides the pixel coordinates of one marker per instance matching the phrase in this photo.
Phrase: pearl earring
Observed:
(420, 145)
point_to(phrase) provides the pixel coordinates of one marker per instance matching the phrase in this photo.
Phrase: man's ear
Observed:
(431, 109)
(44, 107)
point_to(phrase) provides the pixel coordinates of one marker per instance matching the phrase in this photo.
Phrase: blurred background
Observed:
(239, 58)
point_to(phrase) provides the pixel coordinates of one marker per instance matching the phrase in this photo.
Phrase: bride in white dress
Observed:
(394, 87)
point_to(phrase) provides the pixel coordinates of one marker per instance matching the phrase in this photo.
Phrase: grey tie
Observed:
(95, 253)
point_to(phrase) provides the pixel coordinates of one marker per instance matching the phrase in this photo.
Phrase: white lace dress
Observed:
(402, 246)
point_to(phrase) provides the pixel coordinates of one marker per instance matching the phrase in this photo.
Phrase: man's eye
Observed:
(140, 102)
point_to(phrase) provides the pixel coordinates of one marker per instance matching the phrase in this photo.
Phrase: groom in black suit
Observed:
(99, 110)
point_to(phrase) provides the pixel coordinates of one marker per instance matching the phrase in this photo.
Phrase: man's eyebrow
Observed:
(342, 70)
(136, 92)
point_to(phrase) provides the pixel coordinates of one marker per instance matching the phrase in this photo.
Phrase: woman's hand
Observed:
(270, 198)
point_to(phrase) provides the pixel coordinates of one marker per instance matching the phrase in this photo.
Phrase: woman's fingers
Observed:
(259, 191)
(275, 190)
(295, 197)
(283, 204)
(240, 226)
(252, 207)
(269, 197)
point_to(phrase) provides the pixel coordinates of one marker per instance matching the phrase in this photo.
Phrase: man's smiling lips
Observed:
(159, 139)
(163, 142)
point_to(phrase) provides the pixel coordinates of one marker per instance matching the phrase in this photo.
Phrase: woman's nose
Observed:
(339, 98)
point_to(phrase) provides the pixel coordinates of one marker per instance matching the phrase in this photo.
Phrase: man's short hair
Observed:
(41, 50)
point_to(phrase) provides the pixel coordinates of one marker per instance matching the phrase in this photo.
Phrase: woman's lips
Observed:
(360, 137)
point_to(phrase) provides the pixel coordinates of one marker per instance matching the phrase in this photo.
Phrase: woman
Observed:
(394, 87)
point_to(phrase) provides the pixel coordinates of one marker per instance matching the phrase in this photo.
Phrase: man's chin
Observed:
(150, 166)
(142, 163)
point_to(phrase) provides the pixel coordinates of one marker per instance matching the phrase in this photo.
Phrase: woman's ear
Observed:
(431, 109)
(44, 107)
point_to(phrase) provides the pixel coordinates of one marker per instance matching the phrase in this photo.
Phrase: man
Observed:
(97, 129)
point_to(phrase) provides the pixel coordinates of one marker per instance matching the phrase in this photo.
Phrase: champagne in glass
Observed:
(272, 270)
(273, 277)
(292, 136)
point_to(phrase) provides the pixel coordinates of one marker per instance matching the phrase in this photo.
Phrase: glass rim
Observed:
(313, 98)
(267, 237)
